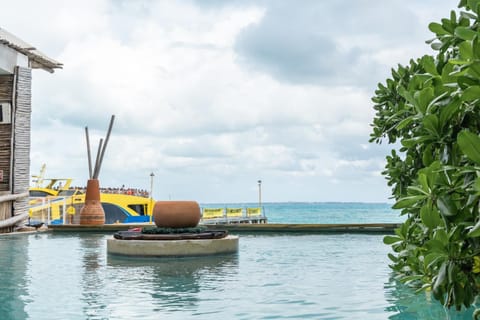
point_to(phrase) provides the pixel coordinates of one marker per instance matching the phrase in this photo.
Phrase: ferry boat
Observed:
(54, 201)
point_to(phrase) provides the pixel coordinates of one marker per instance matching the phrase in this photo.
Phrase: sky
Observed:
(211, 96)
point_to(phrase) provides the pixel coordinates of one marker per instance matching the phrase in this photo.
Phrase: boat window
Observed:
(138, 208)
(38, 193)
(70, 192)
(113, 213)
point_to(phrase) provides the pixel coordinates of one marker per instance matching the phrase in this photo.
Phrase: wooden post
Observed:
(97, 169)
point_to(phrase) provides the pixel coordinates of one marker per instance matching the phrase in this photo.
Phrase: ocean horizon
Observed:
(321, 212)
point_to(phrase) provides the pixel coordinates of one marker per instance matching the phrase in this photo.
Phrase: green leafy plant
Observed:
(430, 111)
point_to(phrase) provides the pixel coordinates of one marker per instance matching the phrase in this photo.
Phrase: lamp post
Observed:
(260, 193)
(151, 196)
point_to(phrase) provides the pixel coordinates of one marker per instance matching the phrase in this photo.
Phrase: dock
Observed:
(239, 228)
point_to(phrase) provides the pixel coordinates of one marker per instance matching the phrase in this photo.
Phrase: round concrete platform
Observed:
(170, 248)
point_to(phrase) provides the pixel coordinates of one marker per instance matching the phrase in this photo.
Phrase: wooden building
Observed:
(17, 59)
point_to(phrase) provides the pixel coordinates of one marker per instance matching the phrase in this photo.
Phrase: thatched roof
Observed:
(37, 59)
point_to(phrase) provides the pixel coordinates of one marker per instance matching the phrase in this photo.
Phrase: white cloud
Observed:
(191, 109)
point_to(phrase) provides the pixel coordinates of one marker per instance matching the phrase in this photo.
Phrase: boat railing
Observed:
(47, 209)
(233, 215)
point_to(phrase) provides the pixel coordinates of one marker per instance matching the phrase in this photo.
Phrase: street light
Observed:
(151, 196)
(259, 193)
(151, 184)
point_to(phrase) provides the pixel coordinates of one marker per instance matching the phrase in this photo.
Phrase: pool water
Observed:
(335, 276)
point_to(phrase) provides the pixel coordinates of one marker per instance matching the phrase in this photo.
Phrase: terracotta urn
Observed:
(92, 211)
(176, 214)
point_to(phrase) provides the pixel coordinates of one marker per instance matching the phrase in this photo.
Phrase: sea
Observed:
(321, 212)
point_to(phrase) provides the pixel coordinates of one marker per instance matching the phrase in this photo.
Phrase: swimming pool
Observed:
(332, 276)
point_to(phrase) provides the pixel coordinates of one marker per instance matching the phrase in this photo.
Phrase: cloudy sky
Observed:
(211, 96)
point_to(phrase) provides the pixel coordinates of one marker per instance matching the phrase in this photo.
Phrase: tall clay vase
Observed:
(92, 211)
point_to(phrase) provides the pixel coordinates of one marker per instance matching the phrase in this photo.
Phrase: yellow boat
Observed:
(54, 201)
(50, 187)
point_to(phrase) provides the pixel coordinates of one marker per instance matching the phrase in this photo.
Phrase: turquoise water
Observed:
(332, 276)
(322, 212)
(70, 276)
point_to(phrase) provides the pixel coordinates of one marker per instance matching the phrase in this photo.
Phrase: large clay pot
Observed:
(92, 211)
(176, 214)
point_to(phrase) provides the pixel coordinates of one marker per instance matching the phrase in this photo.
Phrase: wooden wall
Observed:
(15, 148)
(21, 144)
(6, 95)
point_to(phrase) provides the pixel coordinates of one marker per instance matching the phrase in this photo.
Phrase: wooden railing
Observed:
(7, 221)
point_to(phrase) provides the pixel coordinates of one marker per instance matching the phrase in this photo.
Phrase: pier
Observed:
(273, 228)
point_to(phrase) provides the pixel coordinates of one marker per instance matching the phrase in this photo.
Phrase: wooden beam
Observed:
(12, 197)
(13, 220)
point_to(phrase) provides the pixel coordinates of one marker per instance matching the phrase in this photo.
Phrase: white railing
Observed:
(47, 209)
(233, 215)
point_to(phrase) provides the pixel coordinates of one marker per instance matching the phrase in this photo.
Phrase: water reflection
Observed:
(13, 283)
(405, 304)
(175, 284)
(93, 281)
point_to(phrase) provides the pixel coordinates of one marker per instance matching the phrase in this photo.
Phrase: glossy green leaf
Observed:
(441, 277)
(457, 72)
(446, 206)
(404, 123)
(458, 295)
(392, 257)
(430, 217)
(470, 145)
(476, 185)
(453, 16)
(458, 61)
(465, 82)
(465, 33)
(432, 259)
(414, 190)
(475, 231)
(389, 240)
(451, 275)
(437, 100)
(432, 172)
(430, 123)
(436, 246)
(474, 5)
(446, 74)
(437, 28)
(427, 156)
(408, 201)
(441, 236)
(411, 278)
(465, 50)
(471, 93)
(476, 48)
(429, 64)
(423, 98)
(469, 297)
(407, 95)
(474, 70)
(422, 179)
(436, 45)
(447, 112)
(448, 25)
